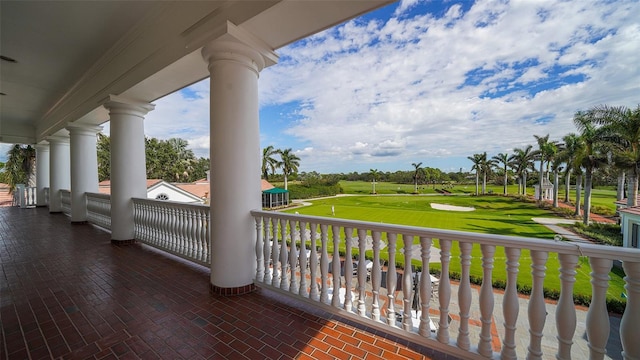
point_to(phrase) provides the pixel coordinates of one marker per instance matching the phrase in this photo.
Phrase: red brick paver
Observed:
(66, 292)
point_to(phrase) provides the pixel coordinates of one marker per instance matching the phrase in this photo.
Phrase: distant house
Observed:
(273, 197)
(629, 224)
(161, 190)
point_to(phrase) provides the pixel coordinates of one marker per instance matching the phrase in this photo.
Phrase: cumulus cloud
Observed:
(407, 88)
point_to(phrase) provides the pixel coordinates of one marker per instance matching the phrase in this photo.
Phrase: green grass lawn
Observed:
(493, 215)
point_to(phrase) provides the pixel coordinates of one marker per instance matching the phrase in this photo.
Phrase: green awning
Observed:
(275, 191)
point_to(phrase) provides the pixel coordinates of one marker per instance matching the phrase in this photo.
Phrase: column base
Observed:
(234, 291)
(123, 242)
(83, 222)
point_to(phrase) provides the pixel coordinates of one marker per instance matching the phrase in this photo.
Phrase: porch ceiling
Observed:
(70, 55)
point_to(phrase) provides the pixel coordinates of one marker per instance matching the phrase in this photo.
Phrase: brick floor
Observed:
(66, 292)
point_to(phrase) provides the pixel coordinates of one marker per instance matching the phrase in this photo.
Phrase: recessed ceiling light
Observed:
(6, 58)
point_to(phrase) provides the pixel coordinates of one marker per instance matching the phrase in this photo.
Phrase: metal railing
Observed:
(294, 255)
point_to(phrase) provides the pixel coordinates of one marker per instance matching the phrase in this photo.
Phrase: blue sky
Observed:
(433, 82)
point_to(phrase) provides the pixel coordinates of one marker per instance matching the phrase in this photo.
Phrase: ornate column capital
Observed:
(81, 129)
(240, 46)
(118, 105)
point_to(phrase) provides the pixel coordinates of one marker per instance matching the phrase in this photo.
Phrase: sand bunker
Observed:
(451, 207)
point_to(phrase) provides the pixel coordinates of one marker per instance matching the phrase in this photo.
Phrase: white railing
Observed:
(24, 196)
(65, 202)
(99, 209)
(178, 228)
(46, 195)
(370, 292)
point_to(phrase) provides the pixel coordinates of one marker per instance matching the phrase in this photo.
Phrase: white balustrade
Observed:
(177, 228)
(65, 202)
(24, 196)
(99, 209)
(46, 195)
(375, 302)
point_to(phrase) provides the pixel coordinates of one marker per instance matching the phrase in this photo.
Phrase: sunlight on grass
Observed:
(493, 215)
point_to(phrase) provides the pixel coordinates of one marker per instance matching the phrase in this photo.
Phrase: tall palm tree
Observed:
(567, 154)
(503, 159)
(622, 130)
(591, 156)
(545, 153)
(20, 166)
(522, 160)
(374, 175)
(289, 164)
(485, 165)
(416, 174)
(477, 167)
(269, 162)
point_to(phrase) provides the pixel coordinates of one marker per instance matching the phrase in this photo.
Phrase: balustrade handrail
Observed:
(563, 247)
(286, 263)
(99, 209)
(178, 228)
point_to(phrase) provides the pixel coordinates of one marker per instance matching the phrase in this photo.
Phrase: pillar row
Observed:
(60, 173)
(235, 161)
(84, 170)
(42, 172)
(128, 165)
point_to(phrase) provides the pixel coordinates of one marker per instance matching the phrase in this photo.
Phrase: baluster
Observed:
(566, 310)
(486, 300)
(268, 242)
(324, 263)
(303, 259)
(407, 283)
(313, 266)
(362, 272)
(597, 317)
(537, 309)
(284, 266)
(391, 280)
(190, 233)
(348, 270)
(425, 287)
(631, 317)
(464, 295)
(275, 253)
(335, 266)
(293, 257)
(259, 250)
(510, 304)
(207, 235)
(444, 291)
(376, 277)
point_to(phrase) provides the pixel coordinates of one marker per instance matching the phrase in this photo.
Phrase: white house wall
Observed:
(171, 193)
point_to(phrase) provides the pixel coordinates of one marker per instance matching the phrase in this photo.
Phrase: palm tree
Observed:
(568, 155)
(485, 165)
(503, 159)
(591, 156)
(416, 175)
(289, 164)
(268, 161)
(20, 166)
(546, 151)
(622, 130)
(477, 166)
(374, 174)
(522, 160)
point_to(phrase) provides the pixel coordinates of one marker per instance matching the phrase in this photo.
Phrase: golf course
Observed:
(489, 214)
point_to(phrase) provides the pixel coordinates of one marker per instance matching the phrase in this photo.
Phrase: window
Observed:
(634, 235)
(162, 196)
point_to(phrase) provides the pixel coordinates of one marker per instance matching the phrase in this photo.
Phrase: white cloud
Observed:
(408, 88)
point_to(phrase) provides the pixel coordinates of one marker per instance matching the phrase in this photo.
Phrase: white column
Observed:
(84, 168)
(42, 172)
(128, 165)
(235, 158)
(60, 170)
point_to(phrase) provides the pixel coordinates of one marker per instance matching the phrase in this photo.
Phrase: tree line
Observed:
(608, 141)
(169, 160)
